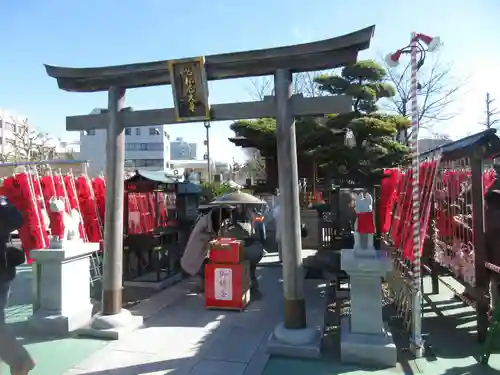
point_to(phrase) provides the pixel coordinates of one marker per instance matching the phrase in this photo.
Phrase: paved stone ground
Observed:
(53, 355)
(448, 326)
(184, 338)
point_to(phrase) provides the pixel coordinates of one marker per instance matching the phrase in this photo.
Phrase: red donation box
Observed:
(226, 250)
(227, 276)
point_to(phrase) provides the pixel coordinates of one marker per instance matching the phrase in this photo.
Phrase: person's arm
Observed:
(11, 218)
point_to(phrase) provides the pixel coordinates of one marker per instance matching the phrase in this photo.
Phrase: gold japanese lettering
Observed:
(190, 87)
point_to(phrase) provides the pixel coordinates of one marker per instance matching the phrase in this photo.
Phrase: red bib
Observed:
(366, 223)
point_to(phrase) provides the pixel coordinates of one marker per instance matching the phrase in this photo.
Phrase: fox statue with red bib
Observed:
(364, 227)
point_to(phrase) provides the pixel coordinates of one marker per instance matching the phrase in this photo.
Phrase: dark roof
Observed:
(465, 146)
(154, 176)
(265, 149)
(325, 54)
(242, 141)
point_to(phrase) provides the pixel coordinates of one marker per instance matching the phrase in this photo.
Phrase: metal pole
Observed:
(417, 343)
(293, 273)
(113, 221)
(209, 169)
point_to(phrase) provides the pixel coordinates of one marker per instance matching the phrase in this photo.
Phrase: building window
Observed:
(154, 163)
(137, 163)
(10, 126)
(153, 146)
(154, 131)
(157, 146)
(137, 131)
(90, 132)
(128, 131)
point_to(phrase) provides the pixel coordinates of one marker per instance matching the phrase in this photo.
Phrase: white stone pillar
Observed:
(63, 288)
(365, 339)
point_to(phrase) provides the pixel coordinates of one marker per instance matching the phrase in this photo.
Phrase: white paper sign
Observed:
(223, 288)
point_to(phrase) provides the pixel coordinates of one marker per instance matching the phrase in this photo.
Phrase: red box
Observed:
(227, 286)
(226, 250)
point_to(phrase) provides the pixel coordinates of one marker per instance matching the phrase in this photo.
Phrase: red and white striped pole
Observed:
(417, 344)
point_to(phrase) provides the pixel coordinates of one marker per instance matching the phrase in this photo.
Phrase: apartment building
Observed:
(10, 124)
(146, 147)
(182, 150)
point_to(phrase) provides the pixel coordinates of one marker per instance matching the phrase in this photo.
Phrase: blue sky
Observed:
(106, 32)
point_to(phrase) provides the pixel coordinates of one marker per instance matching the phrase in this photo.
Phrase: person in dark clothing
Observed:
(217, 218)
(11, 350)
(492, 227)
(242, 227)
(239, 227)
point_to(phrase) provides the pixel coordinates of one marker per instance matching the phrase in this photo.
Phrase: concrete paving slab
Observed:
(120, 362)
(213, 367)
(185, 338)
(239, 344)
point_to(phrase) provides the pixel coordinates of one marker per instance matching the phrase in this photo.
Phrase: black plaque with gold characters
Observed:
(190, 89)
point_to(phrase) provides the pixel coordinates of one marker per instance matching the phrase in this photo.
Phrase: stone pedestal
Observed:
(62, 302)
(364, 338)
(112, 327)
(295, 343)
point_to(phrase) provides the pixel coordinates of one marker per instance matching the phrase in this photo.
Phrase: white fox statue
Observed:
(364, 227)
(69, 222)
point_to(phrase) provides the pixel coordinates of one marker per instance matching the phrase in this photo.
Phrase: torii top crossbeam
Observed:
(325, 54)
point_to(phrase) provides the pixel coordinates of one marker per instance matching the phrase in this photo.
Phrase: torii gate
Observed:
(188, 78)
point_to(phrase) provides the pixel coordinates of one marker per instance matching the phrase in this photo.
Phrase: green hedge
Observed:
(212, 190)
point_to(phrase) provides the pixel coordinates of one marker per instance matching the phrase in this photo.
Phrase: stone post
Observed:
(365, 339)
(292, 337)
(62, 300)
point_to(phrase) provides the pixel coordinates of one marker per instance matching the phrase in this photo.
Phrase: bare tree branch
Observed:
(438, 89)
(260, 87)
(491, 113)
(30, 145)
(7, 157)
(303, 83)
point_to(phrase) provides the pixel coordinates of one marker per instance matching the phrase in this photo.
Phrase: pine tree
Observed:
(374, 145)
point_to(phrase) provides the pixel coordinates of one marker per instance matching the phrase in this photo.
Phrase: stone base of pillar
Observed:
(51, 323)
(112, 327)
(62, 288)
(364, 337)
(298, 343)
(368, 349)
